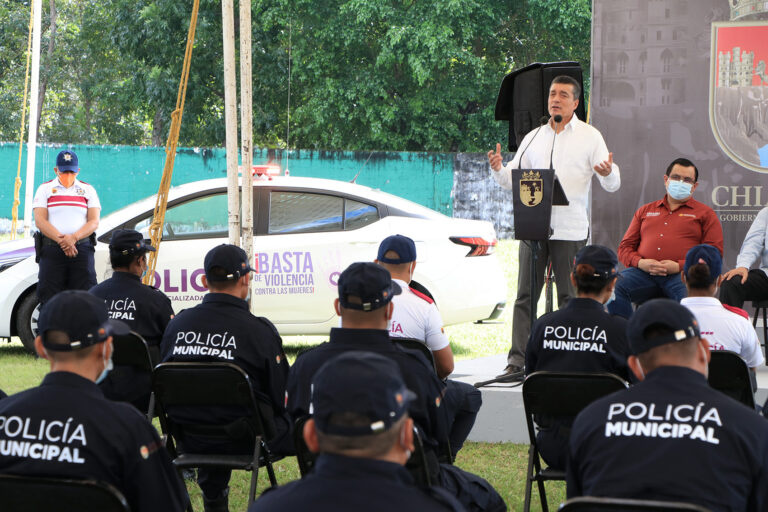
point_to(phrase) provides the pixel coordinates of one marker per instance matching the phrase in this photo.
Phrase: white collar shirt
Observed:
(577, 149)
(67, 206)
(416, 318)
(725, 330)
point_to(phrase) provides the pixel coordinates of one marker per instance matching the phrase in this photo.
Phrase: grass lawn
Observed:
(503, 465)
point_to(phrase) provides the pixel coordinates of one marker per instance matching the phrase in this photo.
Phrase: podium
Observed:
(534, 192)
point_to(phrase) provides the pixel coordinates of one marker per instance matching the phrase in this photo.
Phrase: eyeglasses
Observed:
(675, 177)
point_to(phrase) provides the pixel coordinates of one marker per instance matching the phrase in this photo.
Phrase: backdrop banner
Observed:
(682, 78)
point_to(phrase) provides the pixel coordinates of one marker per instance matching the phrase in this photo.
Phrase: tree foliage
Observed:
(364, 74)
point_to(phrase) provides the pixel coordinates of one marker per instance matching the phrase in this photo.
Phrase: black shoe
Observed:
(512, 373)
(220, 504)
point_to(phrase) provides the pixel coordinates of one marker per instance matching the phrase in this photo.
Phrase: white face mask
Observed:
(108, 365)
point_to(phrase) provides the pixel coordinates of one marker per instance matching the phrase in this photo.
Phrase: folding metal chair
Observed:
(593, 504)
(132, 350)
(729, 373)
(182, 386)
(762, 305)
(26, 493)
(558, 394)
(417, 346)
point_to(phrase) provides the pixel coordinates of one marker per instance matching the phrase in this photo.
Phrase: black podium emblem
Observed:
(531, 188)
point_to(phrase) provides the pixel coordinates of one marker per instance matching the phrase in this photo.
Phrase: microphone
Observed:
(557, 118)
(542, 121)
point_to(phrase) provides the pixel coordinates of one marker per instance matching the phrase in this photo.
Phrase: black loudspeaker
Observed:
(523, 96)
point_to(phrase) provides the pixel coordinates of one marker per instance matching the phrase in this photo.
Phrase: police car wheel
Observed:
(26, 320)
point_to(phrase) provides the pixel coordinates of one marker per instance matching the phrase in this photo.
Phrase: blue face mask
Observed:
(679, 189)
(108, 365)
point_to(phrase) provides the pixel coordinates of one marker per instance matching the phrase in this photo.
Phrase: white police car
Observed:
(306, 231)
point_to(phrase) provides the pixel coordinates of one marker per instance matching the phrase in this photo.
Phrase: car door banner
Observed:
(682, 78)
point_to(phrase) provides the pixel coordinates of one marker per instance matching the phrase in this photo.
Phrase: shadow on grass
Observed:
(294, 349)
(15, 349)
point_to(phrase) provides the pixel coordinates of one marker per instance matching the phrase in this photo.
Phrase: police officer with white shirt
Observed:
(66, 214)
(222, 329)
(723, 328)
(66, 428)
(580, 337)
(670, 437)
(146, 310)
(415, 316)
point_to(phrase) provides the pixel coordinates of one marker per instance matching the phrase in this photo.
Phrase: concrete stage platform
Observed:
(502, 419)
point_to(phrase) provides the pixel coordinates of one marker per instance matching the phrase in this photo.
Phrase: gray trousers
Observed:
(561, 253)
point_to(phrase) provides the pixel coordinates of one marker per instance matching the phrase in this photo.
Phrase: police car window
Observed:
(201, 217)
(357, 214)
(303, 212)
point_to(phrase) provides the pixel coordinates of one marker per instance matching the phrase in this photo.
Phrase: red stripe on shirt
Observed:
(67, 199)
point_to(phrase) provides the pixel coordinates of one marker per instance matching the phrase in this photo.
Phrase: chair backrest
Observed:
(26, 493)
(418, 346)
(305, 458)
(729, 373)
(131, 350)
(594, 504)
(206, 385)
(566, 393)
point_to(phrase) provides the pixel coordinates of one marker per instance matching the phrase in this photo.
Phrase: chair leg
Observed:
(151, 408)
(765, 331)
(529, 477)
(254, 471)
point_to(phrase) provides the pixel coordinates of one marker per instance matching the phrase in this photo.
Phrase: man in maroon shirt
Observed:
(654, 247)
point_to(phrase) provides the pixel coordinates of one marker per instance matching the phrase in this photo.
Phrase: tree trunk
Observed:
(46, 70)
(158, 129)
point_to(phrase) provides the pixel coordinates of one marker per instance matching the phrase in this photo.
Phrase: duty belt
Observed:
(50, 241)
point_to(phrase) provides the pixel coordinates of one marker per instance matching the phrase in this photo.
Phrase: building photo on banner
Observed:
(682, 79)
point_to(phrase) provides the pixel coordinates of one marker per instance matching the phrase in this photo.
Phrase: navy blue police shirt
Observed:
(222, 329)
(580, 337)
(145, 309)
(340, 484)
(418, 375)
(66, 428)
(673, 438)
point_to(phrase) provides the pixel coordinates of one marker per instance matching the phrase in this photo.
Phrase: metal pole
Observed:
(246, 126)
(230, 114)
(29, 190)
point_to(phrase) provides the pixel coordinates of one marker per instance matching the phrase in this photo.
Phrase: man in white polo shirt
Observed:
(66, 215)
(415, 316)
(720, 325)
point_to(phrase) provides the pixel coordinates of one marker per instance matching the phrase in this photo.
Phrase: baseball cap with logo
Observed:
(363, 383)
(369, 283)
(707, 255)
(402, 245)
(229, 257)
(601, 258)
(66, 161)
(82, 316)
(660, 314)
(128, 241)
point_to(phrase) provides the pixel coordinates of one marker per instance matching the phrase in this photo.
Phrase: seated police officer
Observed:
(66, 428)
(146, 310)
(726, 327)
(415, 316)
(222, 329)
(670, 437)
(580, 337)
(360, 427)
(365, 307)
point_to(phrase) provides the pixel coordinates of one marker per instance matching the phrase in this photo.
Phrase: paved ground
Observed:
(501, 418)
